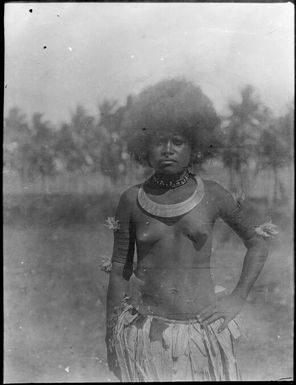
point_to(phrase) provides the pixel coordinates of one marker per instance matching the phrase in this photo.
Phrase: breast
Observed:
(197, 229)
(196, 226)
(198, 238)
(150, 232)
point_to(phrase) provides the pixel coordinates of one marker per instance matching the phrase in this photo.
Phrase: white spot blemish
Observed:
(22, 262)
(132, 56)
(70, 49)
(67, 369)
(219, 289)
(162, 59)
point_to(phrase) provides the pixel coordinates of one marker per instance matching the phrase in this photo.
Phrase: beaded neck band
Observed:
(171, 184)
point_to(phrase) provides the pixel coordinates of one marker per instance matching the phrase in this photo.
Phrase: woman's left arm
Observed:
(257, 252)
(228, 306)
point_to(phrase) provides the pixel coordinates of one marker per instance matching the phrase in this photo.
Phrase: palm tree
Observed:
(42, 151)
(113, 158)
(75, 140)
(243, 128)
(276, 149)
(17, 139)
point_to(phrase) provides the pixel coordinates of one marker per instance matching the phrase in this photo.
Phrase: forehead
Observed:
(169, 133)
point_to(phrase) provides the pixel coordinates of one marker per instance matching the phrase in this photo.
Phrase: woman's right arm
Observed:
(116, 289)
(122, 256)
(122, 265)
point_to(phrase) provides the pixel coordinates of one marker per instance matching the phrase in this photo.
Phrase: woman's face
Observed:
(169, 153)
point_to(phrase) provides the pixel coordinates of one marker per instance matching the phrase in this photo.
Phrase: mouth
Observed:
(167, 161)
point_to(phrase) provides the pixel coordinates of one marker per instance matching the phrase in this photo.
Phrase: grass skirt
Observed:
(152, 348)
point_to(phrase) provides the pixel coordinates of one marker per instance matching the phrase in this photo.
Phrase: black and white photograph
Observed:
(148, 192)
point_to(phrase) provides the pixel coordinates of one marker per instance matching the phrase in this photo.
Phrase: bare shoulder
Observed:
(214, 189)
(129, 196)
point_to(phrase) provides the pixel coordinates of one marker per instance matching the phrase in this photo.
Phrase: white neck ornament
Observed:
(173, 210)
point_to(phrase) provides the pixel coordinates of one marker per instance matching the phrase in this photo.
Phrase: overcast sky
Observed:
(109, 50)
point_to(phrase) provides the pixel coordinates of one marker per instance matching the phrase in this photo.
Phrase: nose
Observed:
(168, 147)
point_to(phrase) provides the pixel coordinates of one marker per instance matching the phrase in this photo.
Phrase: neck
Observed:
(170, 177)
(169, 181)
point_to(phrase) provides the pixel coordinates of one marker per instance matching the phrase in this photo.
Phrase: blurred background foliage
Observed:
(88, 154)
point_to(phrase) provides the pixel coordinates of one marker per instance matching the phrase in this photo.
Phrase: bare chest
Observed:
(196, 225)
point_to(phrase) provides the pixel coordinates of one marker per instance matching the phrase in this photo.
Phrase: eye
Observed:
(178, 141)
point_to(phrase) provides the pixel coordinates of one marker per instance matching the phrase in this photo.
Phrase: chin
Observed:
(169, 170)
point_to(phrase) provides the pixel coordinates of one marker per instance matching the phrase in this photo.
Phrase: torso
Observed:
(173, 276)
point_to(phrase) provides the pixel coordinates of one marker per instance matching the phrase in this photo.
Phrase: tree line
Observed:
(252, 139)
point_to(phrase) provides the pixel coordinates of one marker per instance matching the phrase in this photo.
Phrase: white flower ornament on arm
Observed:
(112, 223)
(267, 230)
(106, 265)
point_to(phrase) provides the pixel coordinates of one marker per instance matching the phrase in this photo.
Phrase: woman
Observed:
(164, 320)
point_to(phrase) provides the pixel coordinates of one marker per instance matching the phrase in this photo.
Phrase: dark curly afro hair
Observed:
(170, 105)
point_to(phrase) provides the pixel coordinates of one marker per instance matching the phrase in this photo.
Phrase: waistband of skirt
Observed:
(232, 326)
(175, 321)
(165, 319)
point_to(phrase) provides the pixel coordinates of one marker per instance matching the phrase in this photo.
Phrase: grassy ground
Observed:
(54, 292)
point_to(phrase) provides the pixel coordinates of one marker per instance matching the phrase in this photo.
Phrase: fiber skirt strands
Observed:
(151, 348)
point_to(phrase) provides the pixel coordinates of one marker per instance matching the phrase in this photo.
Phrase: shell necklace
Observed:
(172, 210)
(155, 180)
